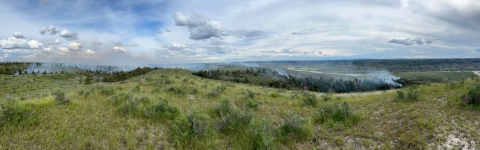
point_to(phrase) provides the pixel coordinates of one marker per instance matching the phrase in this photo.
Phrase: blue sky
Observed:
(139, 32)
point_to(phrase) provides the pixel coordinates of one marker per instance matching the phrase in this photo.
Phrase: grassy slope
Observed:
(93, 122)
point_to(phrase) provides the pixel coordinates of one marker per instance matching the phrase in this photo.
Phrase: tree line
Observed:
(272, 78)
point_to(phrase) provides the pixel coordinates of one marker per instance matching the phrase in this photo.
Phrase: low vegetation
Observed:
(173, 109)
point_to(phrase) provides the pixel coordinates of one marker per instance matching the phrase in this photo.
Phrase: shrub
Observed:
(327, 97)
(261, 135)
(275, 95)
(250, 104)
(310, 99)
(107, 91)
(190, 131)
(338, 114)
(155, 90)
(136, 89)
(249, 94)
(161, 110)
(128, 107)
(194, 91)
(410, 95)
(176, 90)
(120, 98)
(233, 121)
(12, 113)
(231, 118)
(217, 91)
(473, 96)
(60, 98)
(295, 128)
(131, 105)
(213, 93)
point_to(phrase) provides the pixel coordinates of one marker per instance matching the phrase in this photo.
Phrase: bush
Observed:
(60, 98)
(120, 98)
(217, 91)
(128, 107)
(107, 91)
(161, 110)
(310, 99)
(213, 93)
(249, 94)
(234, 121)
(250, 104)
(275, 95)
(295, 128)
(131, 105)
(473, 96)
(136, 89)
(338, 114)
(155, 90)
(226, 106)
(327, 97)
(12, 113)
(261, 135)
(188, 132)
(176, 90)
(410, 95)
(231, 118)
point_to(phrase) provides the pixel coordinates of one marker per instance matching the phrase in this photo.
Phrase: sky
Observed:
(125, 32)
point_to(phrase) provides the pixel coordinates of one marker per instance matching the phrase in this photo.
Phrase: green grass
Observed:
(433, 77)
(145, 112)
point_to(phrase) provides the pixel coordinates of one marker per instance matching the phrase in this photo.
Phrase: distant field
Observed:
(430, 77)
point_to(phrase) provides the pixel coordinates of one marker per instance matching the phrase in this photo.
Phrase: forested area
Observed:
(10, 68)
(271, 78)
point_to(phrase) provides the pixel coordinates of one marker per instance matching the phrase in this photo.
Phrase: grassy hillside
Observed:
(172, 109)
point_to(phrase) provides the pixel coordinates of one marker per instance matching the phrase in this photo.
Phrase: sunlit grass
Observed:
(91, 119)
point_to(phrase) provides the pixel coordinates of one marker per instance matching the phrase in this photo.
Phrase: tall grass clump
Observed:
(192, 132)
(217, 91)
(473, 96)
(338, 114)
(12, 113)
(161, 110)
(133, 105)
(60, 97)
(310, 99)
(261, 135)
(327, 97)
(107, 91)
(231, 118)
(295, 128)
(409, 95)
(120, 98)
(176, 90)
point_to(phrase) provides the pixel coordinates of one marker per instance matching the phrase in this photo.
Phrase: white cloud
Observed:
(52, 30)
(201, 28)
(89, 52)
(35, 44)
(57, 41)
(12, 43)
(74, 46)
(69, 35)
(409, 41)
(302, 32)
(48, 50)
(18, 35)
(63, 49)
(119, 49)
(176, 46)
(379, 49)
